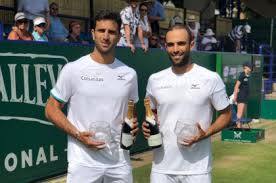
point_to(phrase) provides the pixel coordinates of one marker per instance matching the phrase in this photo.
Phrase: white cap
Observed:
(19, 16)
(39, 20)
(209, 32)
(247, 28)
(176, 20)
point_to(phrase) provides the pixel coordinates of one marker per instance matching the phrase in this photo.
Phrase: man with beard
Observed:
(97, 88)
(185, 92)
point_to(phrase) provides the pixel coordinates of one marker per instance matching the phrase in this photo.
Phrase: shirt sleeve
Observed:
(161, 12)
(134, 95)
(149, 94)
(219, 98)
(241, 77)
(125, 17)
(63, 88)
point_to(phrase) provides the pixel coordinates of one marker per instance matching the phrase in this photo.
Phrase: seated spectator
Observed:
(145, 25)
(194, 27)
(39, 29)
(130, 24)
(20, 30)
(154, 41)
(208, 42)
(33, 9)
(156, 14)
(57, 31)
(162, 41)
(74, 33)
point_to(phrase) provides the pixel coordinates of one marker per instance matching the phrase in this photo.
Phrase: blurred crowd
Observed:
(39, 21)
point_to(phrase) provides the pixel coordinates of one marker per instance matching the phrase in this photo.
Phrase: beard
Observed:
(185, 61)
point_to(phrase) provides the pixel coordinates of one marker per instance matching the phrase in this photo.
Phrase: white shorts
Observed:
(81, 174)
(168, 178)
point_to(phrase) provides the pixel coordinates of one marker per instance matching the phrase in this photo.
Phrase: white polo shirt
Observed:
(191, 95)
(96, 92)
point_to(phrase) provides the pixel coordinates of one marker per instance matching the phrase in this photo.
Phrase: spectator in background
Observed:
(162, 41)
(57, 31)
(33, 9)
(154, 41)
(39, 29)
(194, 27)
(208, 42)
(130, 25)
(74, 33)
(156, 14)
(145, 25)
(176, 20)
(20, 30)
(233, 42)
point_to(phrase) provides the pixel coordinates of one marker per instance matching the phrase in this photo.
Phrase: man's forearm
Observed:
(221, 122)
(56, 116)
(127, 32)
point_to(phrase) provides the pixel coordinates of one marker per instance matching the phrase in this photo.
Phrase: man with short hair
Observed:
(57, 31)
(97, 88)
(185, 92)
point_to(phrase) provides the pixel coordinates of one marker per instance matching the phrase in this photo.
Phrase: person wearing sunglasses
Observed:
(20, 29)
(154, 41)
(39, 29)
(57, 31)
(145, 25)
(131, 26)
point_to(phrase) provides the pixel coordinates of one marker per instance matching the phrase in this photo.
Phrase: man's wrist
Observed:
(77, 134)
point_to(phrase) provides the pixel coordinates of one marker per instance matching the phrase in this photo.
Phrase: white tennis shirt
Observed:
(96, 92)
(191, 95)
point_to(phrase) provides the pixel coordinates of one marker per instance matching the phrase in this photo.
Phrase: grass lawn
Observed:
(237, 162)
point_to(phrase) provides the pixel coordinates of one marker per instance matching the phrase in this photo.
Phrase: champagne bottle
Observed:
(126, 138)
(155, 140)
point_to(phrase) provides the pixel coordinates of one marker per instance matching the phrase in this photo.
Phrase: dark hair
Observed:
(72, 24)
(143, 4)
(52, 4)
(181, 26)
(108, 15)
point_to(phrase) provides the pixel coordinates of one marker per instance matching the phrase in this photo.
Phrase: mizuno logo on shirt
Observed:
(195, 86)
(121, 76)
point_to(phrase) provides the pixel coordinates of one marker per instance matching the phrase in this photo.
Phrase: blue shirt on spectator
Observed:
(57, 31)
(157, 10)
(38, 37)
(32, 9)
